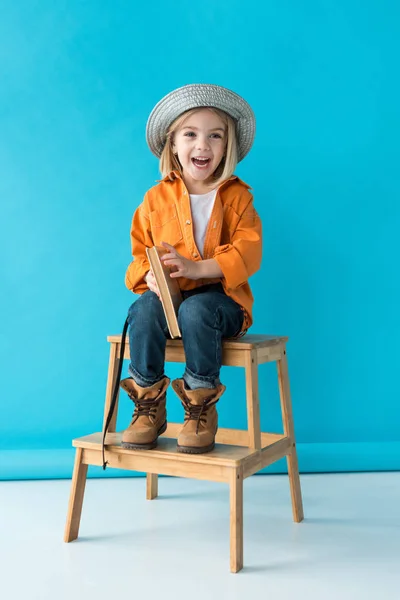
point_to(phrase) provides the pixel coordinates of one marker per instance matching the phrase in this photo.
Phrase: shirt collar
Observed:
(172, 175)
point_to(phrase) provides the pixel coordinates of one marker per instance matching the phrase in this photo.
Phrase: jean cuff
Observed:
(199, 381)
(140, 380)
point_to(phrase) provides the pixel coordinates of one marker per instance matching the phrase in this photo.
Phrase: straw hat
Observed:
(199, 95)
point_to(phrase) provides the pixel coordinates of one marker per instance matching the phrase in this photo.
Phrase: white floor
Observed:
(348, 546)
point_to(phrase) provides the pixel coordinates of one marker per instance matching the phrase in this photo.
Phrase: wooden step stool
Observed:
(237, 454)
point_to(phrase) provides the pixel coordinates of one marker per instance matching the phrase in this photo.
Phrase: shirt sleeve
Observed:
(242, 257)
(140, 240)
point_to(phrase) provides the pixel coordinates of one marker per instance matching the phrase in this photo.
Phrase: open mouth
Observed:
(201, 163)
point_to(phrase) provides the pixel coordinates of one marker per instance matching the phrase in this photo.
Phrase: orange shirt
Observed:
(233, 237)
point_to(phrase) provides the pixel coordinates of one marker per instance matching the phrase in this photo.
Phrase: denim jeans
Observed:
(205, 316)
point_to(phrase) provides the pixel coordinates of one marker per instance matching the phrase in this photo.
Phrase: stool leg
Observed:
(76, 498)
(252, 399)
(287, 416)
(236, 520)
(113, 364)
(151, 486)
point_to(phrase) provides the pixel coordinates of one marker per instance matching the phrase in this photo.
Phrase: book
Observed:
(170, 293)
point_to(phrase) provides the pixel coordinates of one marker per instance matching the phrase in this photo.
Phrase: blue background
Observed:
(78, 80)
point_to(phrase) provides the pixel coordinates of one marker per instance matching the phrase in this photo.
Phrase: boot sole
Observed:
(194, 450)
(149, 445)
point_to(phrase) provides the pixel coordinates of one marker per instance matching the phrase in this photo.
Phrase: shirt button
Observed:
(188, 222)
(184, 192)
(195, 254)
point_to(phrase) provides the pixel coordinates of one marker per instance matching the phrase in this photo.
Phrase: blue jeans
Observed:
(205, 316)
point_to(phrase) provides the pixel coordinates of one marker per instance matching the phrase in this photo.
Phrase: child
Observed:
(204, 216)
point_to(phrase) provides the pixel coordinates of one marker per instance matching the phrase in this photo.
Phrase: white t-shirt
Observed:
(201, 206)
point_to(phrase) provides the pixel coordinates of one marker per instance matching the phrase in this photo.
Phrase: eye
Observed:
(189, 134)
(216, 135)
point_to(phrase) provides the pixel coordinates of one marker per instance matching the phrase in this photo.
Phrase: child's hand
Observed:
(151, 282)
(184, 267)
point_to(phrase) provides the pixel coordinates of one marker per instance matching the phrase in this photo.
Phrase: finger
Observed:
(171, 249)
(150, 280)
(155, 290)
(167, 256)
(166, 245)
(172, 262)
(152, 284)
(176, 274)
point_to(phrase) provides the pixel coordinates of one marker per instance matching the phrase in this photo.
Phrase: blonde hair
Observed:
(170, 162)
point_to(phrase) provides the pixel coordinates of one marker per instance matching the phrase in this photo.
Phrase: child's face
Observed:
(200, 144)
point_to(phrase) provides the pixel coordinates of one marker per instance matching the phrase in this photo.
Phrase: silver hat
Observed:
(198, 95)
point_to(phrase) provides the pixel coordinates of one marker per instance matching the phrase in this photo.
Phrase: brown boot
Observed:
(150, 417)
(201, 419)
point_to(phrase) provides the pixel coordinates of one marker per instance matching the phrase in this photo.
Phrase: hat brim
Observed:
(200, 95)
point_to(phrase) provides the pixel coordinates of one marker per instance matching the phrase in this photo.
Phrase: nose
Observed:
(203, 142)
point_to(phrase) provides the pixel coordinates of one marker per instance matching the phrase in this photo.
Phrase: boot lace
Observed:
(198, 412)
(145, 408)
